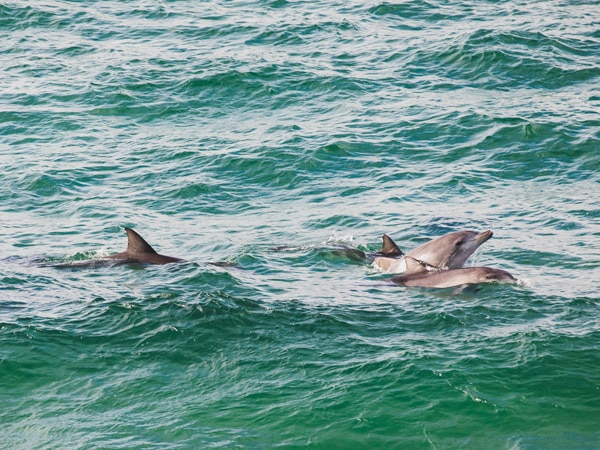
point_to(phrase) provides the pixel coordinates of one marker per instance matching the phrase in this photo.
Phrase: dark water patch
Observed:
(291, 34)
(40, 16)
(273, 169)
(498, 59)
(151, 13)
(352, 157)
(278, 36)
(336, 221)
(233, 87)
(512, 144)
(426, 12)
(278, 86)
(48, 185)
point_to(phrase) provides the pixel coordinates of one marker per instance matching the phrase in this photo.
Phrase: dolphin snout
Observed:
(484, 236)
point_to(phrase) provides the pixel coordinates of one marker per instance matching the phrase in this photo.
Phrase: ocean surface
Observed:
(263, 142)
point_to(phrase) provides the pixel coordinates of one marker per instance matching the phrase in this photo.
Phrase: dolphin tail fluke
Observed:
(389, 247)
(136, 243)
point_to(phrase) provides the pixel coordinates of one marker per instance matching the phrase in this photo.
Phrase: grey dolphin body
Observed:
(450, 251)
(138, 250)
(419, 275)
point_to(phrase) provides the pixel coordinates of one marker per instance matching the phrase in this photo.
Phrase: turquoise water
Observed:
(265, 136)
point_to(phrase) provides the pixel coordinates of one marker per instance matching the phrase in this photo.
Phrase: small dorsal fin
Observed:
(389, 247)
(414, 265)
(136, 243)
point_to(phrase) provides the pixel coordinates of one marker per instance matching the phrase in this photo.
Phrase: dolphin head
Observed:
(452, 250)
(488, 274)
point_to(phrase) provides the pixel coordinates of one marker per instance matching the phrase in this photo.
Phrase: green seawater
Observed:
(260, 140)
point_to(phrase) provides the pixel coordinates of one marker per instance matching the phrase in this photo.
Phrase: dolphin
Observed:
(138, 250)
(450, 251)
(419, 275)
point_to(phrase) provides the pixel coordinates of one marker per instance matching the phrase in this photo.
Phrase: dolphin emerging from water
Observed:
(418, 274)
(138, 250)
(450, 251)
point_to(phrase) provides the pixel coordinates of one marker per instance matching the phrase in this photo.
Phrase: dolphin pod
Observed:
(435, 264)
(438, 263)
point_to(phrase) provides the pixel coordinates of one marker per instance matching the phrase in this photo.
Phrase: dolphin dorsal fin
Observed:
(389, 247)
(414, 265)
(136, 243)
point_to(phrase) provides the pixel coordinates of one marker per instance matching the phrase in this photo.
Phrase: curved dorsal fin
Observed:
(389, 247)
(414, 265)
(136, 243)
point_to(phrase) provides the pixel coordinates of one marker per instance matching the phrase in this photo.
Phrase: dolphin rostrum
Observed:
(418, 275)
(138, 250)
(450, 251)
